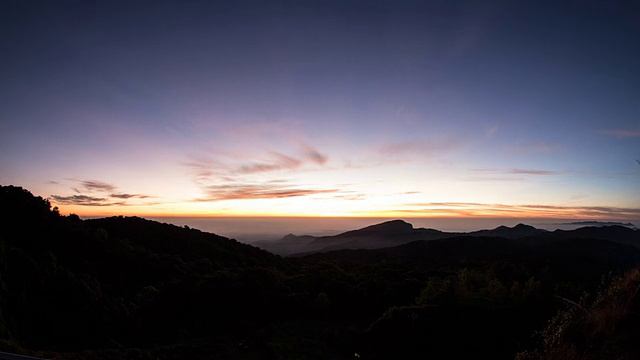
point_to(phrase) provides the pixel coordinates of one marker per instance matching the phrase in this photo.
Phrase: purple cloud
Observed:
(250, 191)
(314, 155)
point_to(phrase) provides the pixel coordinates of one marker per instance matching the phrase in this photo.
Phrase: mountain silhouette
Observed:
(289, 244)
(387, 227)
(385, 234)
(127, 287)
(598, 223)
(397, 232)
(615, 233)
(516, 232)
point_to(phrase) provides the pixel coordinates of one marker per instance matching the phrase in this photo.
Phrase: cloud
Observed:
(536, 147)
(202, 169)
(253, 191)
(517, 172)
(92, 185)
(314, 155)
(129, 196)
(228, 166)
(84, 195)
(276, 162)
(534, 172)
(83, 200)
(492, 179)
(471, 209)
(350, 195)
(255, 176)
(622, 133)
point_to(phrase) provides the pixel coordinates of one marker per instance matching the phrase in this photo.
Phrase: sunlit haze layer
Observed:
(386, 109)
(250, 229)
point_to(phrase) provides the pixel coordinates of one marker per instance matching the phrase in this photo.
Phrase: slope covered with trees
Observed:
(126, 287)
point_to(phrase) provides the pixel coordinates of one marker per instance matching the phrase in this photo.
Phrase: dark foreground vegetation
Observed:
(129, 288)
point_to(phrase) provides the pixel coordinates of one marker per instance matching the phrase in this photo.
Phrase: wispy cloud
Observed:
(314, 155)
(129, 196)
(83, 200)
(350, 195)
(93, 185)
(517, 172)
(228, 166)
(471, 209)
(536, 147)
(622, 133)
(492, 179)
(256, 176)
(203, 169)
(534, 172)
(98, 193)
(275, 162)
(255, 191)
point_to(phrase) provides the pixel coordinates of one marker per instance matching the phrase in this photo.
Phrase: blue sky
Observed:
(323, 108)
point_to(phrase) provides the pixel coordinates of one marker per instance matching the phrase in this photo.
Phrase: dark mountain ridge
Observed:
(471, 248)
(69, 284)
(130, 288)
(598, 223)
(397, 232)
(516, 232)
(385, 234)
(387, 227)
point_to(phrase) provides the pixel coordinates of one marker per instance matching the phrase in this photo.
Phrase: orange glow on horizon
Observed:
(454, 212)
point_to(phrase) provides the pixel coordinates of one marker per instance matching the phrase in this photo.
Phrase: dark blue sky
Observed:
(323, 107)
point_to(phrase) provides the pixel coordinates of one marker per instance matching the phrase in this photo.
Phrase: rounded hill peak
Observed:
(391, 226)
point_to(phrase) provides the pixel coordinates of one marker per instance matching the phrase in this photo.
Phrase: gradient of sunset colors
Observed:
(323, 108)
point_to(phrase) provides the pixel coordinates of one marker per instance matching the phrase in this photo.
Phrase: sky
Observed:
(323, 108)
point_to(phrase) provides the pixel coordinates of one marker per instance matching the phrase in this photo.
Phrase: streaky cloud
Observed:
(107, 195)
(472, 209)
(129, 196)
(492, 179)
(515, 171)
(534, 172)
(86, 200)
(536, 147)
(623, 133)
(83, 200)
(93, 185)
(251, 191)
(253, 176)
(314, 155)
(278, 162)
(350, 196)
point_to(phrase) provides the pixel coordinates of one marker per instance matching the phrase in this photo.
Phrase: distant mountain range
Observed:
(599, 223)
(398, 232)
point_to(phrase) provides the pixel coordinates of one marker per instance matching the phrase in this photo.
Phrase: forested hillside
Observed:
(126, 287)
